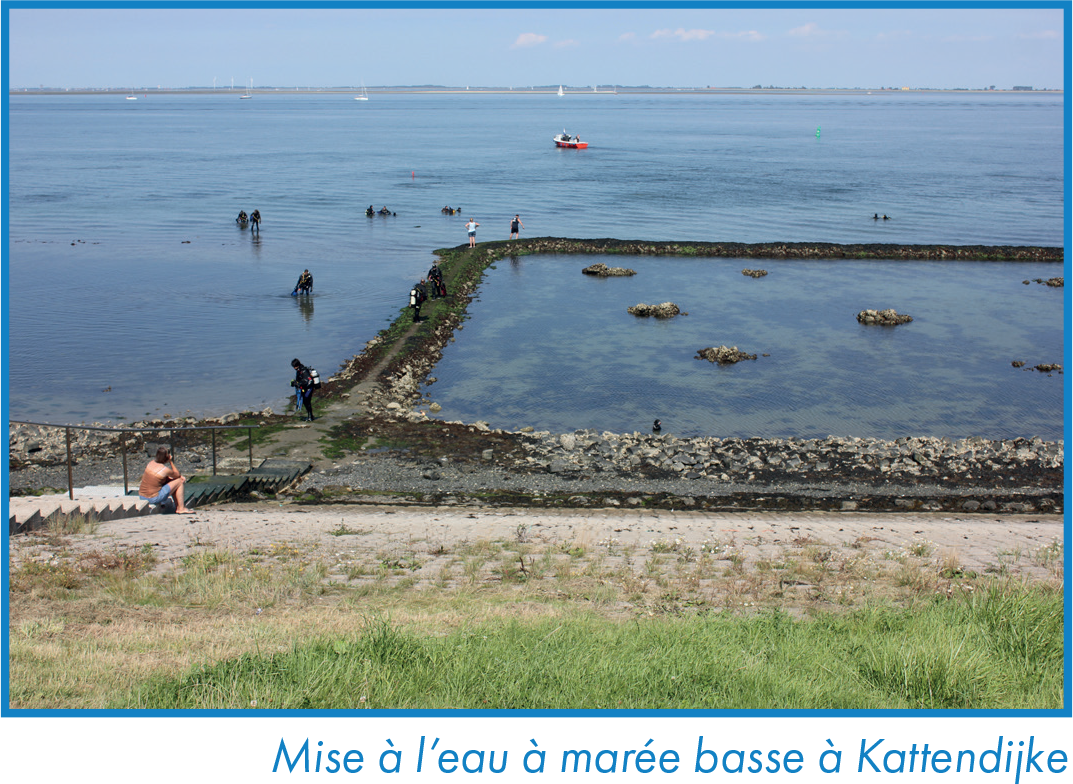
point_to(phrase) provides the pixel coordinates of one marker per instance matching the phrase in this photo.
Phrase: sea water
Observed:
(554, 349)
(132, 291)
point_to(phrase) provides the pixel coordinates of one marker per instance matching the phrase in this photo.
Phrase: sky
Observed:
(519, 47)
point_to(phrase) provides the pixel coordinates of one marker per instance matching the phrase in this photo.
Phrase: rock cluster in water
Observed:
(754, 273)
(723, 355)
(601, 270)
(886, 317)
(663, 310)
(1051, 367)
(1054, 283)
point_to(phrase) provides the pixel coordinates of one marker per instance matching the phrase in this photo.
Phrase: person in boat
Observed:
(471, 230)
(435, 279)
(303, 387)
(242, 217)
(255, 217)
(577, 138)
(304, 284)
(418, 294)
(515, 225)
(162, 479)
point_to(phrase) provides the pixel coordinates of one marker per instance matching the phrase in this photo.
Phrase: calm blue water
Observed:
(128, 273)
(555, 349)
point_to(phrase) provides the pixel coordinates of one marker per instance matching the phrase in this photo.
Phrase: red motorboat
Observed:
(566, 140)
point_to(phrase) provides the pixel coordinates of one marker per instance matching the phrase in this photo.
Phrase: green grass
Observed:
(261, 434)
(999, 649)
(526, 621)
(338, 443)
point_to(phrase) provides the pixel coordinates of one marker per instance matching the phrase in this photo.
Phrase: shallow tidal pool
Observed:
(548, 347)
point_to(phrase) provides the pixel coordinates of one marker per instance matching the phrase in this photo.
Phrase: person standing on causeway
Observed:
(303, 387)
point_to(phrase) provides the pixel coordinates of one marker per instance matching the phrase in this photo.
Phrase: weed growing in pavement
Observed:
(345, 530)
(1050, 557)
(921, 548)
(665, 545)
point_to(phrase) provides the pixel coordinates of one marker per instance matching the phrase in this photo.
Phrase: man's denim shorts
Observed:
(160, 497)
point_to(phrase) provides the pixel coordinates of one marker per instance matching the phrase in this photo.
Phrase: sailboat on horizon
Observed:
(249, 92)
(561, 91)
(364, 94)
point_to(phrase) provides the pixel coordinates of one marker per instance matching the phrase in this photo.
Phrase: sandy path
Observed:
(977, 541)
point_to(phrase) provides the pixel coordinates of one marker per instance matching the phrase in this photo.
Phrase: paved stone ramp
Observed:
(101, 504)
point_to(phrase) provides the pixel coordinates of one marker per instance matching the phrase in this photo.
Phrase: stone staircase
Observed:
(100, 504)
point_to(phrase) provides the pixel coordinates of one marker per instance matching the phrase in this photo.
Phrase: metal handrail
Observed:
(123, 442)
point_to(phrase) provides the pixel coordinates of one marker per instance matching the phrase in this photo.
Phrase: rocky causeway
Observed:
(390, 450)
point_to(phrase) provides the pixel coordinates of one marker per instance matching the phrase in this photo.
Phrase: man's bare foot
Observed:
(184, 511)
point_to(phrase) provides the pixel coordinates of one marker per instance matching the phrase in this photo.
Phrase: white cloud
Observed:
(1042, 35)
(805, 30)
(744, 35)
(569, 43)
(528, 39)
(813, 30)
(683, 35)
(627, 36)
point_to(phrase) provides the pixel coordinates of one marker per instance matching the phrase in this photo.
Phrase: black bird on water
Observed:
(656, 426)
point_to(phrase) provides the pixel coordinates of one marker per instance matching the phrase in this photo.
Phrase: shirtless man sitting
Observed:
(161, 479)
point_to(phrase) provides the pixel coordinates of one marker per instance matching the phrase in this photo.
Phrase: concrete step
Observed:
(28, 513)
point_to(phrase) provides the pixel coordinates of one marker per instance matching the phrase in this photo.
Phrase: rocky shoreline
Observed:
(455, 462)
(586, 468)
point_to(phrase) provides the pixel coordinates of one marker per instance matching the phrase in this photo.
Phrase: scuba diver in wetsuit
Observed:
(304, 284)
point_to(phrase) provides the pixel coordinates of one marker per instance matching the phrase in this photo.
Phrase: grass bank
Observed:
(998, 649)
(531, 622)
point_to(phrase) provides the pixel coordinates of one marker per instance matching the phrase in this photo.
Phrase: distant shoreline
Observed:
(569, 91)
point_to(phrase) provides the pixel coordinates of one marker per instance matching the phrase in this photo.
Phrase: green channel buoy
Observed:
(817, 132)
